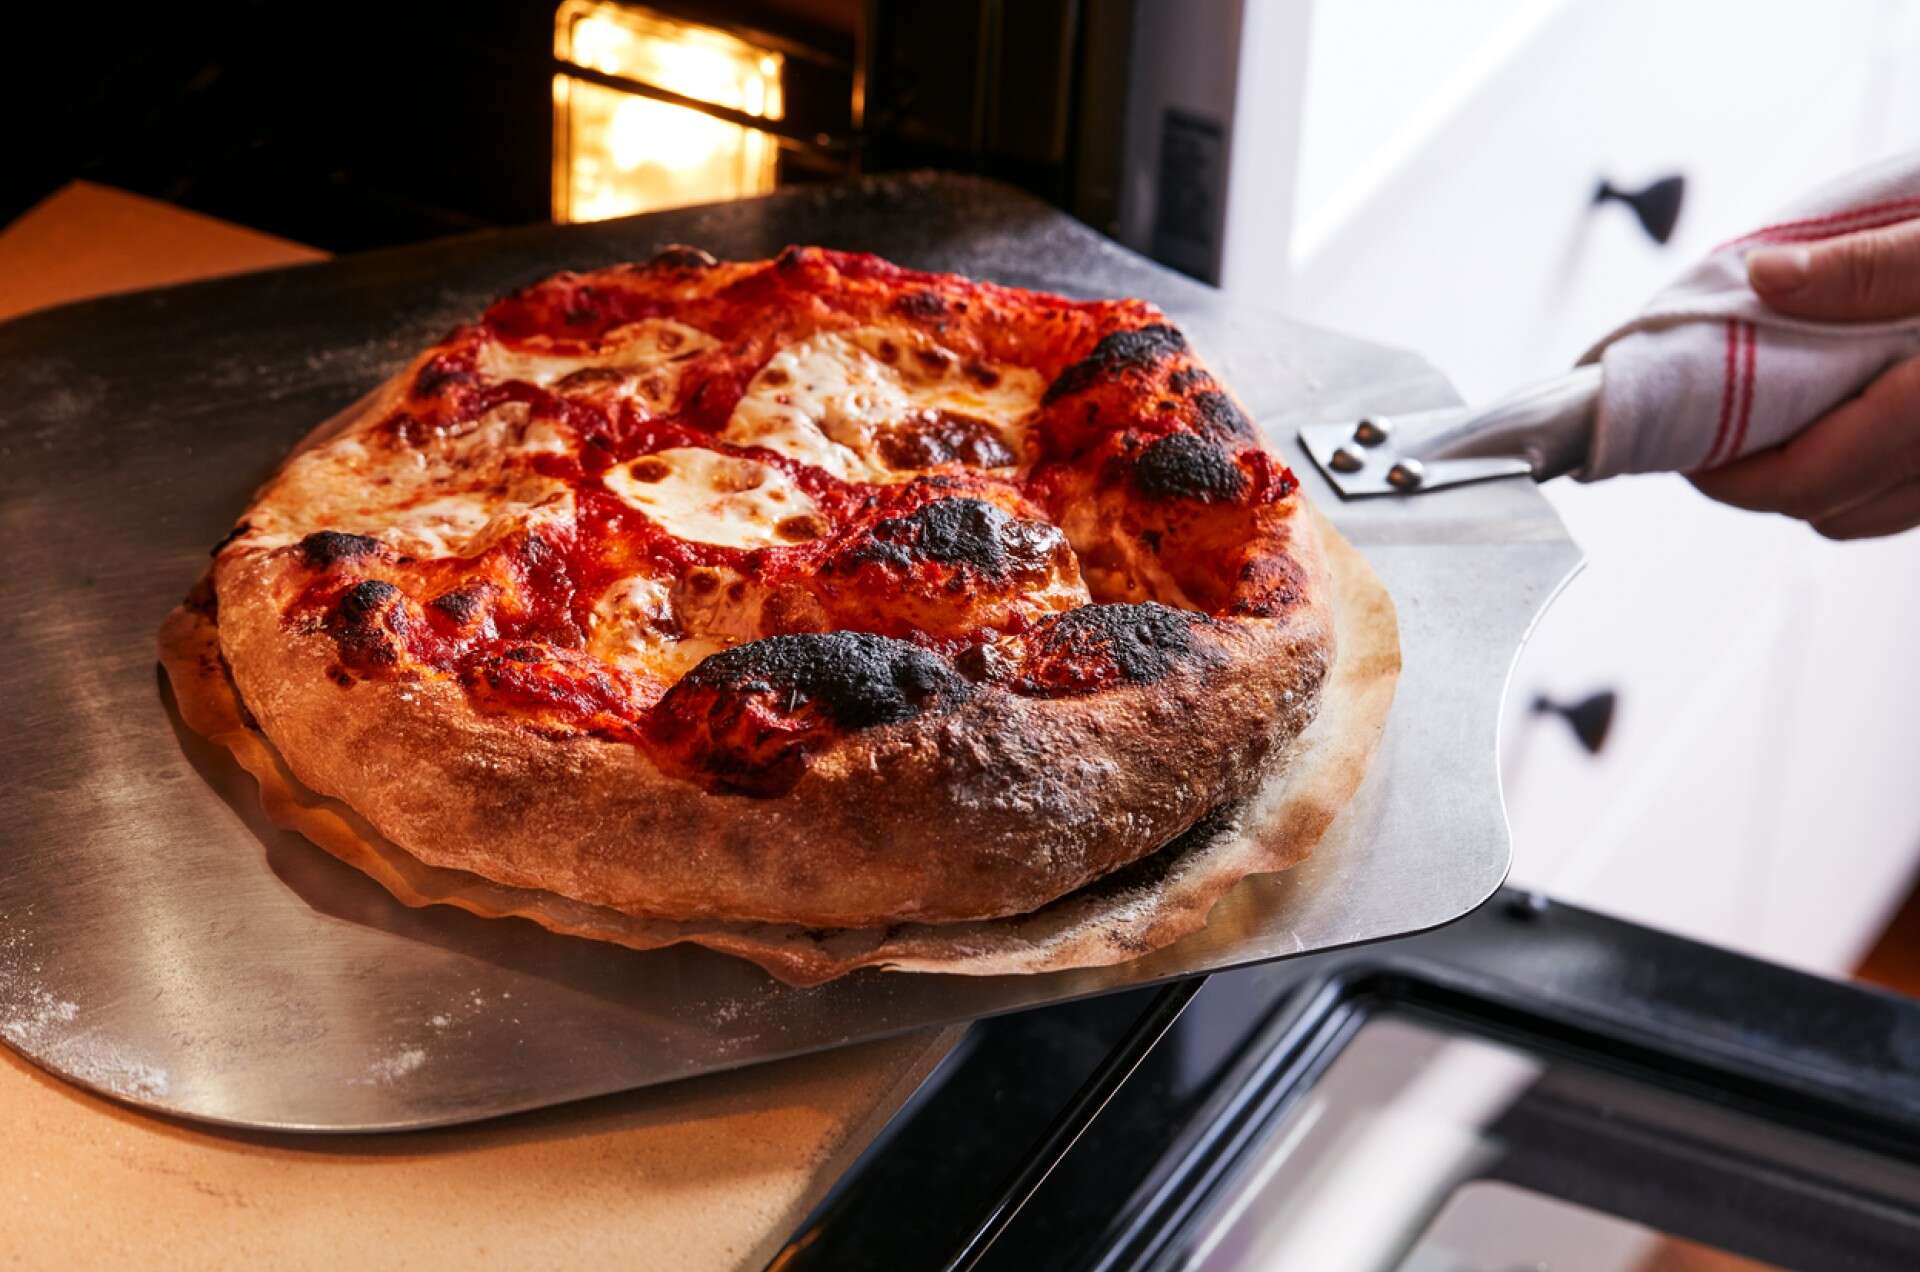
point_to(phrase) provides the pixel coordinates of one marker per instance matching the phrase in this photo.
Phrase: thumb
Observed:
(1860, 277)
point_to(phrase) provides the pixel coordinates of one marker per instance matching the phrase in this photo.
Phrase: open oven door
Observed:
(1536, 1086)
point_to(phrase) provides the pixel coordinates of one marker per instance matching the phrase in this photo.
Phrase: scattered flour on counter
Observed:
(440, 1021)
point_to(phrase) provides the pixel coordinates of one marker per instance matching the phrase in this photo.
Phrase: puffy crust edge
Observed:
(992, 808)
(1114, 921)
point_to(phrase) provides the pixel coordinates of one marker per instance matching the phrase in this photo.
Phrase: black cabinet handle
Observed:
(1657, 206)
(1589, 718)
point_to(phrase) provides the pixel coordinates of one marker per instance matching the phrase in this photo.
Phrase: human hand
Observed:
(1854, 473)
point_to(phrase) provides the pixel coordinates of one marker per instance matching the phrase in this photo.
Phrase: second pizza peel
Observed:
(164, 943)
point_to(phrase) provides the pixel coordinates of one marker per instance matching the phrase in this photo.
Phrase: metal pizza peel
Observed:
(163, 943)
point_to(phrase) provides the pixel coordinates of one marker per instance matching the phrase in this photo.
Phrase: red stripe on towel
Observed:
(1749, 341)
(1727, 385)
(1814, 228)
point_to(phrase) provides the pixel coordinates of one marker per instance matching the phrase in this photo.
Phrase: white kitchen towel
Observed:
(1707, 373)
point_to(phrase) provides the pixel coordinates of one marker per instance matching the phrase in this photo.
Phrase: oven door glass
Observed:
(1429, 1150)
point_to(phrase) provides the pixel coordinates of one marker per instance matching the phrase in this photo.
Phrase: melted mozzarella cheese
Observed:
(646, 354)
(447, 497)
(634, 628)
(439, 527)
(665, 626)
(828, 400)
(545, 437)
(707, 497)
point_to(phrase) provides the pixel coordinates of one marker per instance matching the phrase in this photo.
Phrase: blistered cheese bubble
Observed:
(706, 497)
(841, 401)
(643, 360)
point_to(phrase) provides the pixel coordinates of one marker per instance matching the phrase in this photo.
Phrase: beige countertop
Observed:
(713, 1172)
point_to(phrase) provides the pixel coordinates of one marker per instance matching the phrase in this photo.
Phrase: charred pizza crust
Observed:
(987, 661)
(1144, 907)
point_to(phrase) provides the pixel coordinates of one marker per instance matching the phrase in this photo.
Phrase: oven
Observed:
(385, 125)
(1536, 1086)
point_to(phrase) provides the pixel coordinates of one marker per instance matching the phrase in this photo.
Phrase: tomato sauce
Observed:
(511, 622)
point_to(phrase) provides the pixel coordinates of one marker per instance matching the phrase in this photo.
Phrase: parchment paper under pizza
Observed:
(816, 610)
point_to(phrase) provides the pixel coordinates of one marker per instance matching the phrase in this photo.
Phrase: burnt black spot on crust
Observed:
(1139, 350)
(1143, 642)
(437, 374)
(958, 531)
(462, 606)
(364, 600)
(1186, 379)
(858, 680)
(1188, 466)
(680, 256)
(1222, 416)
(330, 547)
(923, 305)
(356, 627)
(969, 531)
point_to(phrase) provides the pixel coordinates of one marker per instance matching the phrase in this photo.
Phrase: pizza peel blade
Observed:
(162, 942)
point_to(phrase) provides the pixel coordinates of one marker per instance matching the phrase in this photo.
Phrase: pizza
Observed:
(813, 591)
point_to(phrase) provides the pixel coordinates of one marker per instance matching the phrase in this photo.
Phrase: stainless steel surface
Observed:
(1542, 431)
(161, 942)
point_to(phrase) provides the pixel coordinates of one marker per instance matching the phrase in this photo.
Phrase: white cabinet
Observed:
(1682, 612)
(1760, 784)
(1481, 247)
(1846, 767)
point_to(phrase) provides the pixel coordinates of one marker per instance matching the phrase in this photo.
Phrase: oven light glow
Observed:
(616, 153)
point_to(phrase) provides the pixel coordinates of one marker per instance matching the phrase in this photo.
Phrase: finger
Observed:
(1864, 276)
(1852, 453)
(1889, 512)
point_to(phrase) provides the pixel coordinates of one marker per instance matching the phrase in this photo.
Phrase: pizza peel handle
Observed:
(1542, 431)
